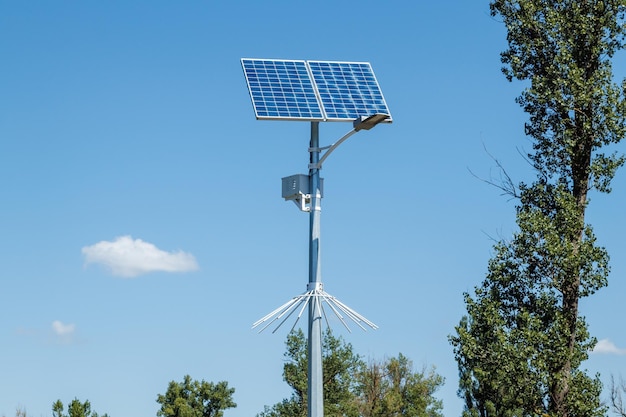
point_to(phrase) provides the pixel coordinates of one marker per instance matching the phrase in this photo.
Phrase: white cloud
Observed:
(605, 346)
(61, 329)
(128, 257)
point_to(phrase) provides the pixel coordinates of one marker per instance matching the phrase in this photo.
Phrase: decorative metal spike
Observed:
(300, 302)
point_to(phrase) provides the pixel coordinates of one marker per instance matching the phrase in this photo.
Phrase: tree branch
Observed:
(504, 184)
(617, 401)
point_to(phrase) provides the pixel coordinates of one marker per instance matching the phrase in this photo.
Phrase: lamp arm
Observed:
(331, 148)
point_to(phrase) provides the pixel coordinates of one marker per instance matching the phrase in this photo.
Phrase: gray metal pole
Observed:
(315, 376)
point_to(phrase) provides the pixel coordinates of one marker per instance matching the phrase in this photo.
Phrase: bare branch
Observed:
(504, 183)
(617, 401)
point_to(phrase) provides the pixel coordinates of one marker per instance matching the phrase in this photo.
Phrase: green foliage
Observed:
(521, 345)
(391, 388)
(339, 365)
(191, 398)
(522, 342)
(74, 409)
(563, 47)
(354, 388)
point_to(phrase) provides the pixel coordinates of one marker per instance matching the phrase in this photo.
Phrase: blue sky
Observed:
(142, 225)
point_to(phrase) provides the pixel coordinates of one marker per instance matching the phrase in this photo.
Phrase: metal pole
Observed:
(315, 376)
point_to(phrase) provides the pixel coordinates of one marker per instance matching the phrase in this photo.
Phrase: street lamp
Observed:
(314, 91)
(368, 122)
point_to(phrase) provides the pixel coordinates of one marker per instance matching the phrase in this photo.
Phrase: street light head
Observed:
(368, 122)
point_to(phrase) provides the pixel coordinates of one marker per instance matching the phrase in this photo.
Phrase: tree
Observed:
(354, 388)
(523, 340)
(19, 412)
(74, 409)
(191, 398)
(339, 365)
(391, 388)
(618, 389)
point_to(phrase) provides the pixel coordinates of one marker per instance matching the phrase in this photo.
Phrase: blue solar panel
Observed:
(281, 89)
(348, 90)
(313, 90)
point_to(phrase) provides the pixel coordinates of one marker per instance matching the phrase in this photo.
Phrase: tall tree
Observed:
(523, 340)
(391, 388)
(192, 398)
(353, 388)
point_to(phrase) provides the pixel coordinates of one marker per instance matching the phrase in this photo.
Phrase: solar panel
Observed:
(281, 90)
(313, 90)
(347, 90)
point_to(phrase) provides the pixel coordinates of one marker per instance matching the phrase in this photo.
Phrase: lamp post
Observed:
(314, 91)
(315, 372)
(306, 192)
(315, 379)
